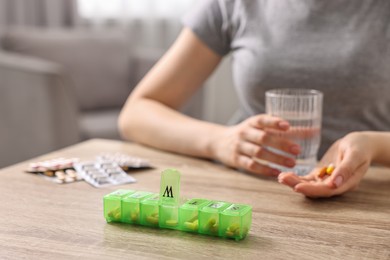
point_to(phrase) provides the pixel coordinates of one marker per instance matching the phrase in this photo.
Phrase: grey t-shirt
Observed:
(340, 47)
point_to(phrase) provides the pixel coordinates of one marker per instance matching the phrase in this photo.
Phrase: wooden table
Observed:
(43, 220)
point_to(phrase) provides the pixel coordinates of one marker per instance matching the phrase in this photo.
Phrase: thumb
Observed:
(345, 170)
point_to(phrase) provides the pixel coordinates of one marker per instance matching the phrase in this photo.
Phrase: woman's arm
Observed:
(150, 115)
(381, 144)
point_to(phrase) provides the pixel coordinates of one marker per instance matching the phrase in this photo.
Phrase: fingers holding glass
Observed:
(263, 155)
(249, 164)
(266, 138)
(256, 145)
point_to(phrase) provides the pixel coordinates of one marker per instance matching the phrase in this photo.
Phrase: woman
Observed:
(337, 47)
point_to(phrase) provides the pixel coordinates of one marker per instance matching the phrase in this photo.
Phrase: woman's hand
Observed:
(244, 145)
(351, 156)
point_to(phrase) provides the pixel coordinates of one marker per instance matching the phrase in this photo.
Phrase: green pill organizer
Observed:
(166, 210)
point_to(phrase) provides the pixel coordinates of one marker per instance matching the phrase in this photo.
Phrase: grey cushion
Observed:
(97, 64)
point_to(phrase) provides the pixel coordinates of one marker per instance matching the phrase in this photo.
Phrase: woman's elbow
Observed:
(124, 125)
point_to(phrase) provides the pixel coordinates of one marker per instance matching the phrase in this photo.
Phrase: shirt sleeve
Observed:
(209, 21)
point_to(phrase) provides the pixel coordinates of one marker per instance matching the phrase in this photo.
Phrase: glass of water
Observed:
(302, 108)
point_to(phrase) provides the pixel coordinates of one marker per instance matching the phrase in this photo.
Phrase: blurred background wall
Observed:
(55, 56)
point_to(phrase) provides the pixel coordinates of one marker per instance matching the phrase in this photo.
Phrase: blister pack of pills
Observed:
(126, 162)
(102, 173)
(50, 166)
(58, 170)
(66, 176)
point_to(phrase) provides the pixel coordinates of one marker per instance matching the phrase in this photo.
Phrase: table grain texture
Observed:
(44, 220)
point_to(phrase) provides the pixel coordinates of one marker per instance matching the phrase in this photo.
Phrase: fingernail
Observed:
(338, 181)
(283, 125)
(295, 149)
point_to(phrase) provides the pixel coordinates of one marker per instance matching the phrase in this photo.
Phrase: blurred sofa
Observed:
(59, 87)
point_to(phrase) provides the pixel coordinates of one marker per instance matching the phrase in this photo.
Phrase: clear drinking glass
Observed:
(302, 108)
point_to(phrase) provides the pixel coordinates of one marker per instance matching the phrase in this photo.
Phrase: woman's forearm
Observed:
(381, 144)
(154, 124)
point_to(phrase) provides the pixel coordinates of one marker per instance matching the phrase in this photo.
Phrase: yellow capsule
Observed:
(134, 216)
(189, 225)
(322, 172)
(115, 213)
(330, 169)
(152, 220)
(171, 222)
(214, 228)
(233, 227)
(196, 224)
(229, 233)
(211, 221)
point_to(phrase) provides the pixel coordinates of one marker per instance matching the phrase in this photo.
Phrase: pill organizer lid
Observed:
(195, 204)
(118, 194)
(236, 210)
(152, 199)
(136, 196)
(215, 206)
(170, 187)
